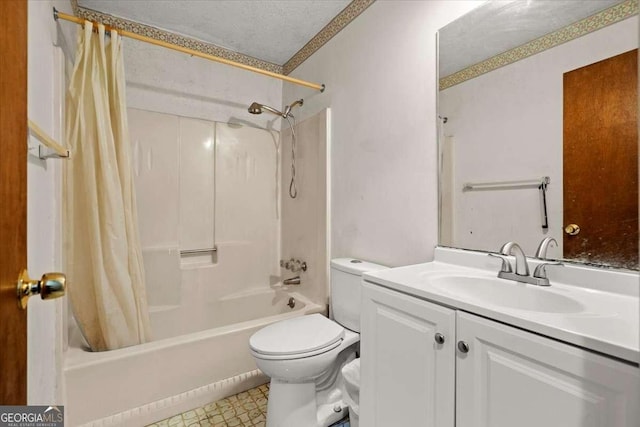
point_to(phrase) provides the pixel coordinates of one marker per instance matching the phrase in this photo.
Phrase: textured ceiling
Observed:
(497, 26)
(271, 30)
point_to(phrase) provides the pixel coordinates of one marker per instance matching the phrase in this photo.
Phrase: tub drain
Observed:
(292, 302)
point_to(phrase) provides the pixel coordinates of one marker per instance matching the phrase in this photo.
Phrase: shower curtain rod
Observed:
(71, 18)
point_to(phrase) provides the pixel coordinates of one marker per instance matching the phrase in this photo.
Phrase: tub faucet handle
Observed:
(294, 265)
(298, 266)
(287, 265)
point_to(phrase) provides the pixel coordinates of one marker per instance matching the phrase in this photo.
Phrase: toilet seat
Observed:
(297, 338)
(295, 356)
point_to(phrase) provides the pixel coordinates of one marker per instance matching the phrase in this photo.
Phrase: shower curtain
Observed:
(103, 257)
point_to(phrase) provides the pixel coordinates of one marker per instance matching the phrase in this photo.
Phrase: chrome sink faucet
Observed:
(521, 274)
(541, 253)
(512, 248)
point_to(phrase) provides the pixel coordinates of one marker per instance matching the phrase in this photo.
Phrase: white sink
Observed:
(505, 293)
(590, 308)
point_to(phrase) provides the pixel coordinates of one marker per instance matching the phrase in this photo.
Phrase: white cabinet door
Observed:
(407, 378)
(510, 377)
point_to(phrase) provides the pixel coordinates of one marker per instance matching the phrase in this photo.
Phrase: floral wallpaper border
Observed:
(587, 25)
(348, 14)
(173, 38)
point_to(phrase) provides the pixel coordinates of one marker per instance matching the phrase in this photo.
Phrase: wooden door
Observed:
(511, 377)
(13, 199)
(407, 378)
(601, 161)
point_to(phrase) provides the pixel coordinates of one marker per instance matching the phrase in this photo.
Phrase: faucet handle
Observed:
(506, 265)
(300, 266)
(286, 264)
(294, 265)
(541, 270)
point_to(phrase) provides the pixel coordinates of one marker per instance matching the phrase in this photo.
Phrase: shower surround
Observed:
(204, 185)
(306, 219)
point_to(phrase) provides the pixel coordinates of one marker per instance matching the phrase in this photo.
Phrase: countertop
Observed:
(608, 321)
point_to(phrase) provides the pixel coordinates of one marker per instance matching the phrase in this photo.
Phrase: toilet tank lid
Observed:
(355, 266)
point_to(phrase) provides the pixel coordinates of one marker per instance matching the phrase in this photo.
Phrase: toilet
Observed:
(305, 356)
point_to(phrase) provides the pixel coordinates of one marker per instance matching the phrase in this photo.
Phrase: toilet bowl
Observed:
(304, 356)
(300, 349)
(304, 373)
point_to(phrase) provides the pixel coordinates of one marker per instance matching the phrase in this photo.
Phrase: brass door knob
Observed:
(572, 229)
(50, 286)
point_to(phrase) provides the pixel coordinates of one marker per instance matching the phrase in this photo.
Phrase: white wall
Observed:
(45, 97)
(380, 73)
(507, 125)
(166, 81)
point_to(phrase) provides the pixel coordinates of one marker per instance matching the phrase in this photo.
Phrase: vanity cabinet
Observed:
(484, 374)
(407, 378)
(511, 377)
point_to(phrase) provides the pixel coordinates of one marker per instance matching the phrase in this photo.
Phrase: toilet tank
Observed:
(346, 290)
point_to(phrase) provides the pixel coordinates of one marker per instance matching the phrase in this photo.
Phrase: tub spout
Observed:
(292, 281)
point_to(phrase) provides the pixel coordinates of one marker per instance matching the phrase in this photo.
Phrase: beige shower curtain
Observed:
(103, 259)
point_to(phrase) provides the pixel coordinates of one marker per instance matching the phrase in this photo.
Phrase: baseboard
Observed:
(165, 408)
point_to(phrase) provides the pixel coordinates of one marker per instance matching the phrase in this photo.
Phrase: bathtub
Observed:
(197, 356)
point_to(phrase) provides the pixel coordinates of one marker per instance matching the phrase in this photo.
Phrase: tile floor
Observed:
(244, 409)
(248, 408)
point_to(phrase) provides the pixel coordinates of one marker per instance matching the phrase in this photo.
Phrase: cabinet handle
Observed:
(439, 338)
(463, 347)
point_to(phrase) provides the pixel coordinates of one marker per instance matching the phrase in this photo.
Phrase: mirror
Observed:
(538, 129)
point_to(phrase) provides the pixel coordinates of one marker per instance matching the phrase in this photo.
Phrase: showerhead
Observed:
(256, 108)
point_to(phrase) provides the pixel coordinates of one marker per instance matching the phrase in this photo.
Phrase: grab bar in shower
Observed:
(198, 251)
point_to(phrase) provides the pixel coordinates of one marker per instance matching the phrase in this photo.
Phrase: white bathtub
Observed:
(197, 356)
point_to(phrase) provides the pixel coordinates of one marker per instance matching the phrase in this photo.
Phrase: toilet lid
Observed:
(298, 335)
